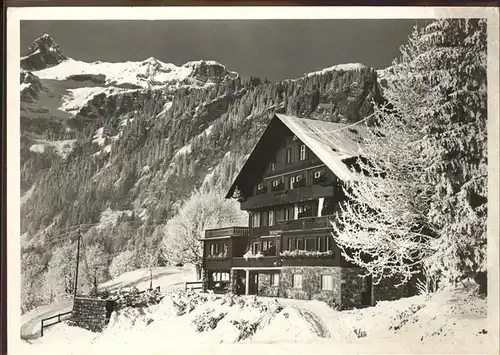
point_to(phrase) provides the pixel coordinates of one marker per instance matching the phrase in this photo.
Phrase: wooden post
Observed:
(77, 261)
(247, 282)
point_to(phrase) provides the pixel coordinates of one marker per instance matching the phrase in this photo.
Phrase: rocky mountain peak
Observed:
(44, 52)
(209, 70)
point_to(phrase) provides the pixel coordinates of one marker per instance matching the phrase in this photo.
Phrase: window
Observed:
(260, 186)
(317, 174)
(273, 166)
(256, 219)
(264, 219)
(288, 155)
(298, 177)
(256, 248)
(280, 215)
(297, 281)
(275, 279)
(292, 181)
(271, 218)
(266, 245)
(323, 243)
(303, 152)
(319, 243)
(290, 244)
(276, 183)
(309, 244)
(327, 282)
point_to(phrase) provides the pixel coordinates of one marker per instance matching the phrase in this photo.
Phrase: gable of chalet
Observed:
(335, 144)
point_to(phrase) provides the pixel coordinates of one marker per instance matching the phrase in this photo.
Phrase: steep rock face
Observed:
(31, 86)
(204, 122)
(209, 71)
(43, 53)
(337, 94)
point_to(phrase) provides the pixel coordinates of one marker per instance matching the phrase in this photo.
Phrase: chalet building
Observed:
(291, 185)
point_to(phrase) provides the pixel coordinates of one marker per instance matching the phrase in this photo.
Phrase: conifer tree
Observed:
(423, 205)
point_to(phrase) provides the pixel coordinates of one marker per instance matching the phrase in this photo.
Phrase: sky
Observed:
(272, 49)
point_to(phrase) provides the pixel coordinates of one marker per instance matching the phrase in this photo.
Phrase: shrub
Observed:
(246, 328)
(360, 333)
(136, 299)
(402, 318)
(328, 298)
(207, 320)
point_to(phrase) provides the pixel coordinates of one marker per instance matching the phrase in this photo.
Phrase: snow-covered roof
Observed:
(331, 142)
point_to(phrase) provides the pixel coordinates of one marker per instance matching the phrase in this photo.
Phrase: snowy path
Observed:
(315, 322)
(165, 277)
(30, 327)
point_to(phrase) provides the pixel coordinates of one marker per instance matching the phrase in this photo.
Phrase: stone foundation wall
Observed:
(311, 284)
(91, 313)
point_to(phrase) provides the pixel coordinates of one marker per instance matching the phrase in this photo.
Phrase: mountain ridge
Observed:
(92, 147)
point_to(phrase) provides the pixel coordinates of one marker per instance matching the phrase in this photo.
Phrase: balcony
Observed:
(305, 193)
(324, 261)
(301, 224)
(227, 232)
(266, 261)
(217, 264)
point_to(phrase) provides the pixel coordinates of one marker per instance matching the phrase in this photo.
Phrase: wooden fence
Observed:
(59, 320)
(193, 285)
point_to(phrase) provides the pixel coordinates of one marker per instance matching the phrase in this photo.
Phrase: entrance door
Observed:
(366, 294)
(240, 282)
(254, 283)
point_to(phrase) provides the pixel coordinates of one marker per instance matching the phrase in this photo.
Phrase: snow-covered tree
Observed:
(122, 263)
(422, 200)
(203, 210)
(95, 262)
(60, 276)
(32, 278)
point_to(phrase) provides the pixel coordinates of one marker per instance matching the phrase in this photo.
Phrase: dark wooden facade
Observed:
(292, 198)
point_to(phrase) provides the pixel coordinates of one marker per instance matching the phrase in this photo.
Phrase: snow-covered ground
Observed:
(145, 74)
(448, 322)
(62, 148)
(75, 99)
(165, 277)
(141, 74)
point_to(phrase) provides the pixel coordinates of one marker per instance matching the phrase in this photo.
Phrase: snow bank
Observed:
(190, 322)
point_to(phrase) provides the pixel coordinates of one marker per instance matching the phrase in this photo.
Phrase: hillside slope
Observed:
(132, 140)
(447, 322)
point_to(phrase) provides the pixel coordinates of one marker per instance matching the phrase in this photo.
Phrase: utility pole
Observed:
(77, 261)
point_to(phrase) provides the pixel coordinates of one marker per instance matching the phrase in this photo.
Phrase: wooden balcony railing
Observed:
(266, 261)
(306, 223)
(272, 198)
(224, 232)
